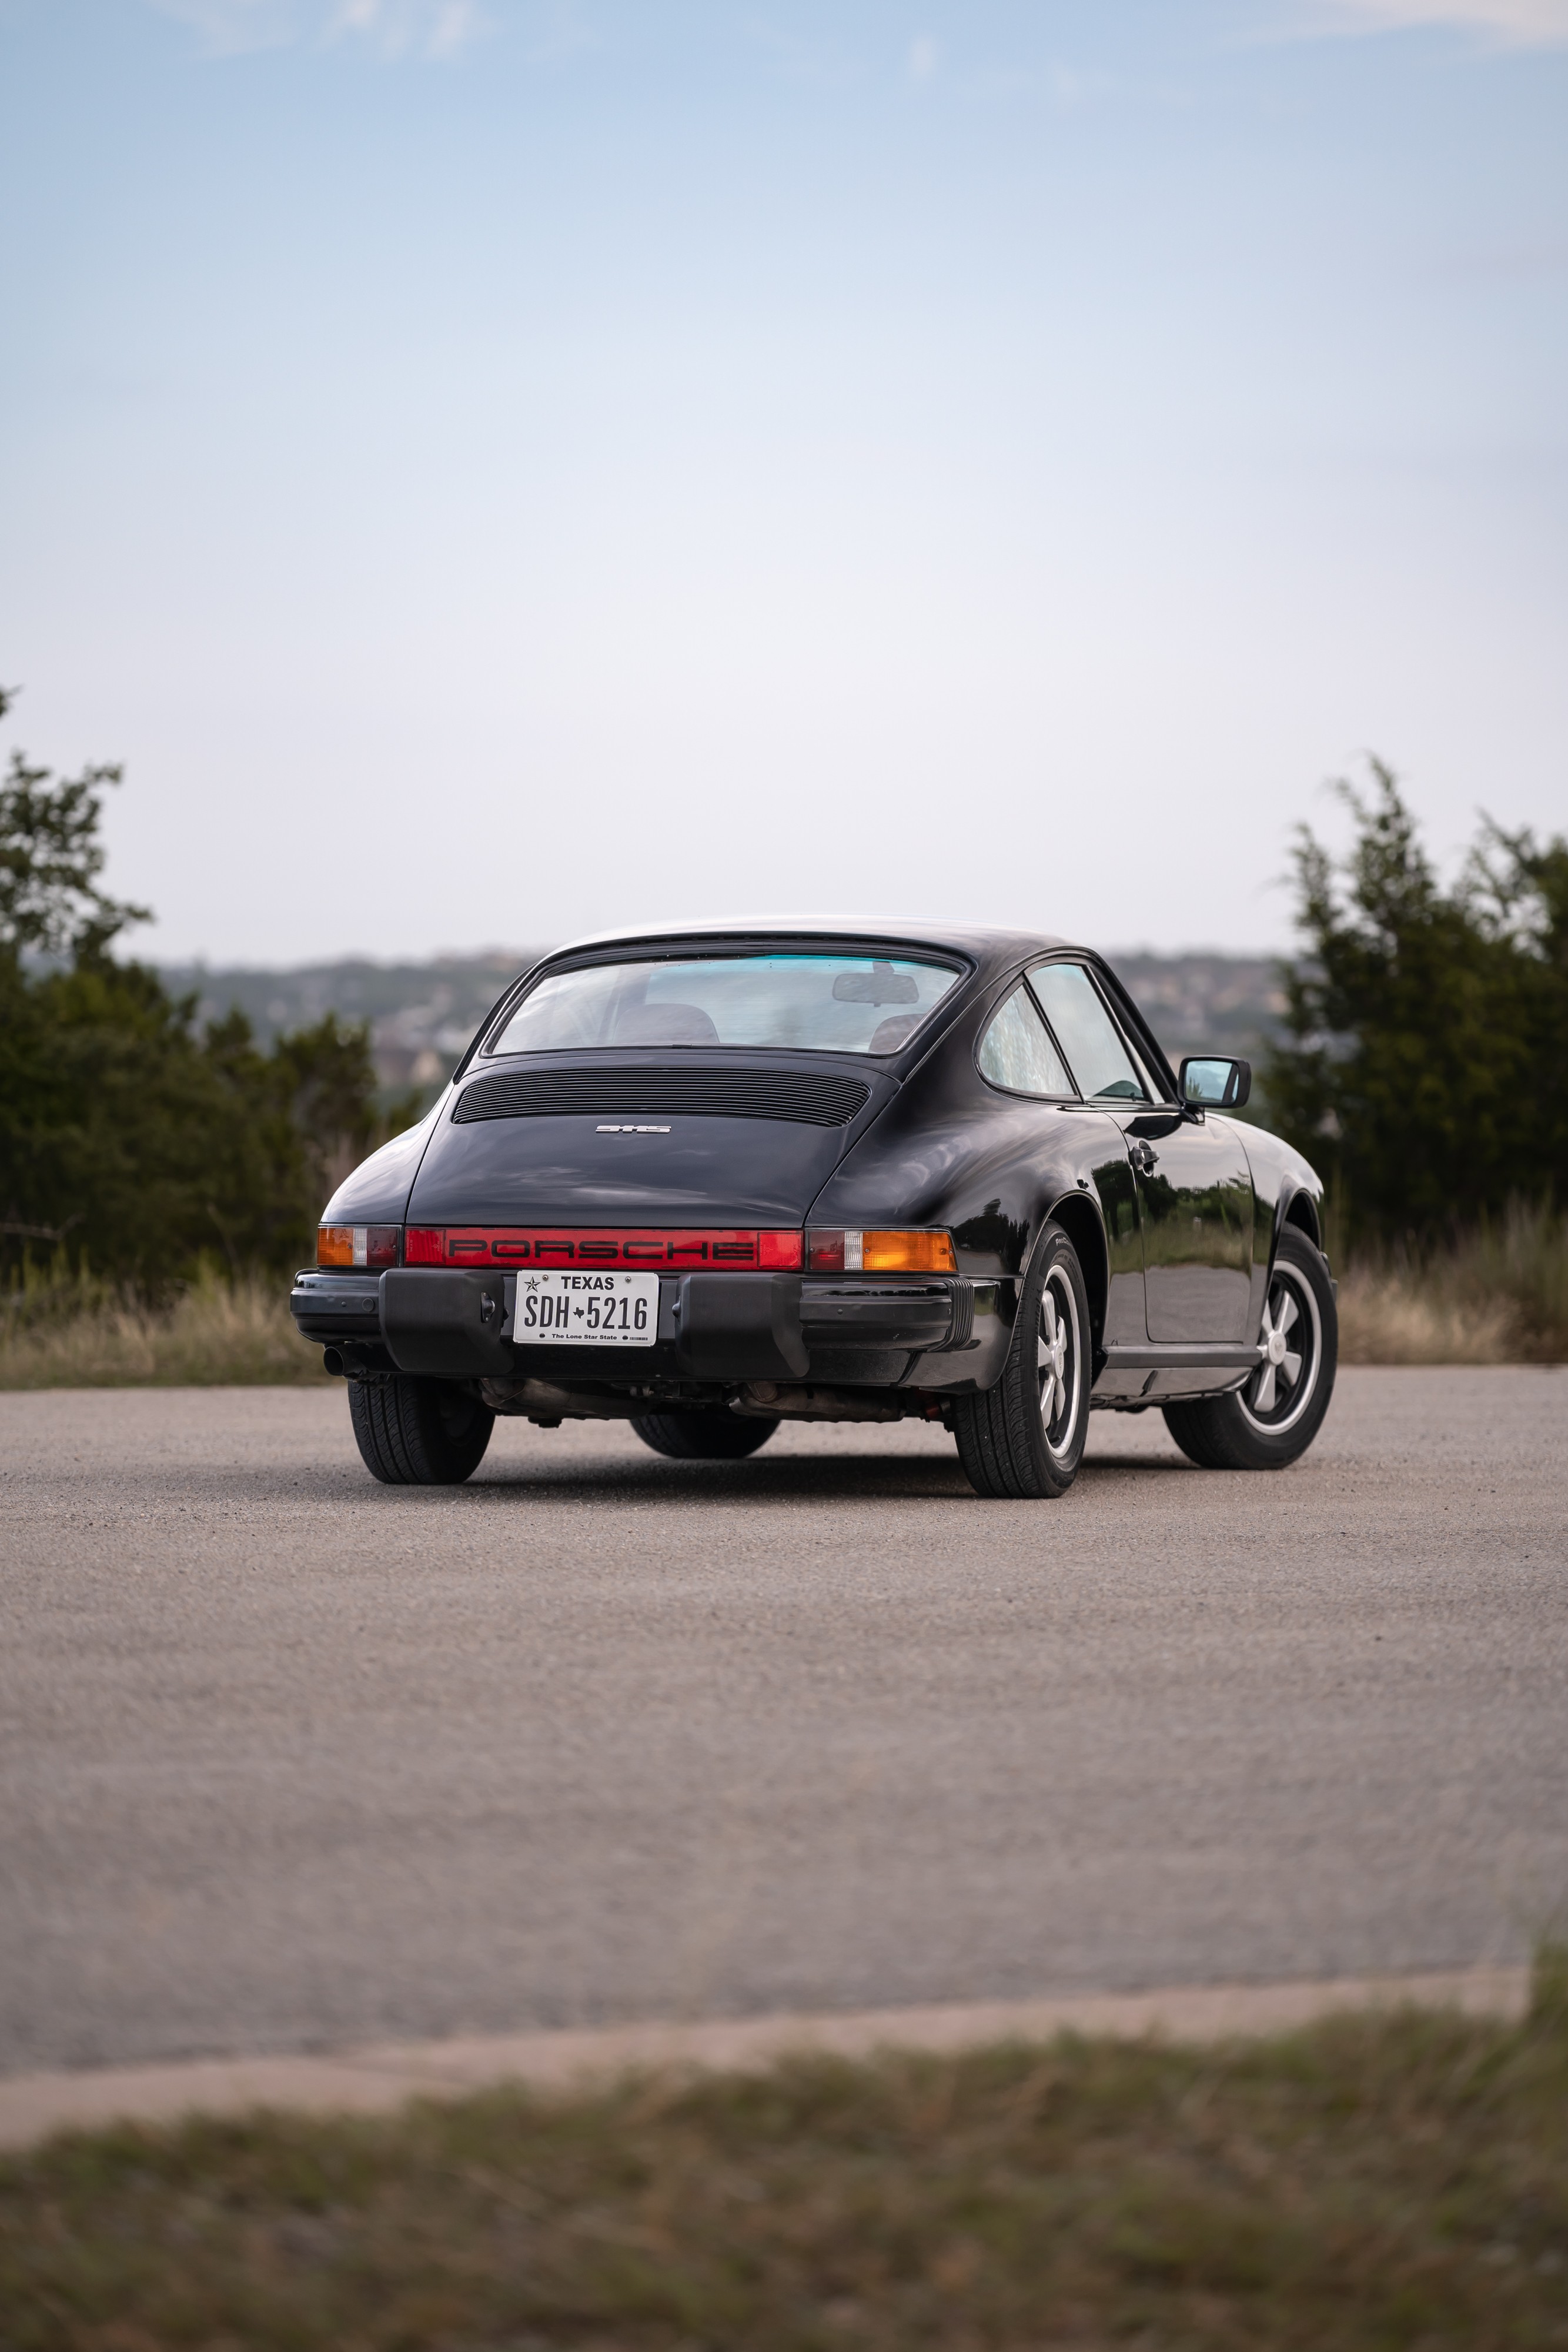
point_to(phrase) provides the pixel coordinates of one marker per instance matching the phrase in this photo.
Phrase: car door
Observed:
(1195, 1186)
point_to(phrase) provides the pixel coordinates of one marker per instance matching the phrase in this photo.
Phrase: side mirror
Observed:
(1209, 1082)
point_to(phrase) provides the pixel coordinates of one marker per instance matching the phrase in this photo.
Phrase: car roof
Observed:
(991, 950)
(987, 946)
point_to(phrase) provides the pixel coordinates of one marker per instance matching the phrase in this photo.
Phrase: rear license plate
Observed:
(587, 1310)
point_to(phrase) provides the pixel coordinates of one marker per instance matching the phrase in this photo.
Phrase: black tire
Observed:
(413, 1432)
(1008, 1442)
(1271, 1420)
(708, 1435)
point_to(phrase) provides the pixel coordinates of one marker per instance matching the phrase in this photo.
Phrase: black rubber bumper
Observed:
(454, 1323)
(332, 1307)
(730, 1327)
(750, 1327)
(446, 1321)
(887, 1315)
(442, 1321)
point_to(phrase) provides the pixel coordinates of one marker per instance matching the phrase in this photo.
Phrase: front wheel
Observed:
(413, 1432)
(1024, 1438)
(1270, 1421)
(714, 1434)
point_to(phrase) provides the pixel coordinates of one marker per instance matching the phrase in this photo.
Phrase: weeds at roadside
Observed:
(1499, 1296)
(67, 1329)
(1381, 2180)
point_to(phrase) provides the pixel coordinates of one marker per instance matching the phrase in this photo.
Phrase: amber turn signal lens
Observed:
(907, 1253)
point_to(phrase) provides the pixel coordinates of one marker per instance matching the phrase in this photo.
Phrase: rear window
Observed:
(829, 1003)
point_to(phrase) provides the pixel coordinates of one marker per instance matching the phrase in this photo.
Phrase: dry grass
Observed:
(1375, 2183)
(1498, 1296)
(74, 1332)
(1394, 1319)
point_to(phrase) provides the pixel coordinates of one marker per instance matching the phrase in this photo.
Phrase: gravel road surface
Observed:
(288, 1759)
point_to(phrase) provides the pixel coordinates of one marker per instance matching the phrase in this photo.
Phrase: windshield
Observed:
(829, 1003)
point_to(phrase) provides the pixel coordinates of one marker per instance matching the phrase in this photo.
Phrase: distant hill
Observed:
(421, 1015)
(1231, 1005)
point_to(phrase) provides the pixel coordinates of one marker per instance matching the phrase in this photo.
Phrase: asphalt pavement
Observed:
(289, 1760)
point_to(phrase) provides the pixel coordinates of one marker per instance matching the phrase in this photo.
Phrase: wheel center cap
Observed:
(1276, 1347)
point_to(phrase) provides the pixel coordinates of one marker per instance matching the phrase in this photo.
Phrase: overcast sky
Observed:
(499, 468)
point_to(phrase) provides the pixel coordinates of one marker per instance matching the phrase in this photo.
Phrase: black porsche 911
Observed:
(710, 1180)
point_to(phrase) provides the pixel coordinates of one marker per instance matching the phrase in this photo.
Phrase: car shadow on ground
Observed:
(838, 1480)
(800, 1478)
(837, 1477)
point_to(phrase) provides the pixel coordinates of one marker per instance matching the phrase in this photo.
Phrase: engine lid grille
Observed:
(805, 1099)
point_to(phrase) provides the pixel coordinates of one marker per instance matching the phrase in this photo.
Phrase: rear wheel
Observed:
(413, 1432)
(713, 1435)
(1271, 1420)
(1024, 1438)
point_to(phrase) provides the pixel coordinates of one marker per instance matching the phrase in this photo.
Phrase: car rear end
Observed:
(613, 1211)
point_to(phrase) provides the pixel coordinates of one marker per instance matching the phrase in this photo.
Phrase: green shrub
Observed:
(131, 1140)
(1426, 1063)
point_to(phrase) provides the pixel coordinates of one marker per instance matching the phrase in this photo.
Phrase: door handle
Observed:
(1143, 1156)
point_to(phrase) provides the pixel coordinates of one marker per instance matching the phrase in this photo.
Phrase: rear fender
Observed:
(1286, 1190)
(1080, 1219)
(376, 1194)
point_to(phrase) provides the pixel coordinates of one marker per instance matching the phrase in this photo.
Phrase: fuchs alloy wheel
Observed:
(413, 1432)
(712, 1436)
(1024, 1438)
(1275, 1418)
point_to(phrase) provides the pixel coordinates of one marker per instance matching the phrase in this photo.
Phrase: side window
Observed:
(1016, 1051)
(1089, 1039)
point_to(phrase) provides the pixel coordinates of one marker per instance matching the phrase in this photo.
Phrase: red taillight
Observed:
(824, 1249)
(368, 1246)
(675, 1250)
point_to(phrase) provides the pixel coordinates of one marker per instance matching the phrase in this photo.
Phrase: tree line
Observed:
(1423, 1067)
(133, 1139)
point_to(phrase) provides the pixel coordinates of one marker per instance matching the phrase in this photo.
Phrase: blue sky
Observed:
(498, 468)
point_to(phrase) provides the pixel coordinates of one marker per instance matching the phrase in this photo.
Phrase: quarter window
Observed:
(1018, 1053)
(1101, 1063)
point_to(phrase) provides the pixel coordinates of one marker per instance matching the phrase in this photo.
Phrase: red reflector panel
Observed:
(678, 1250)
